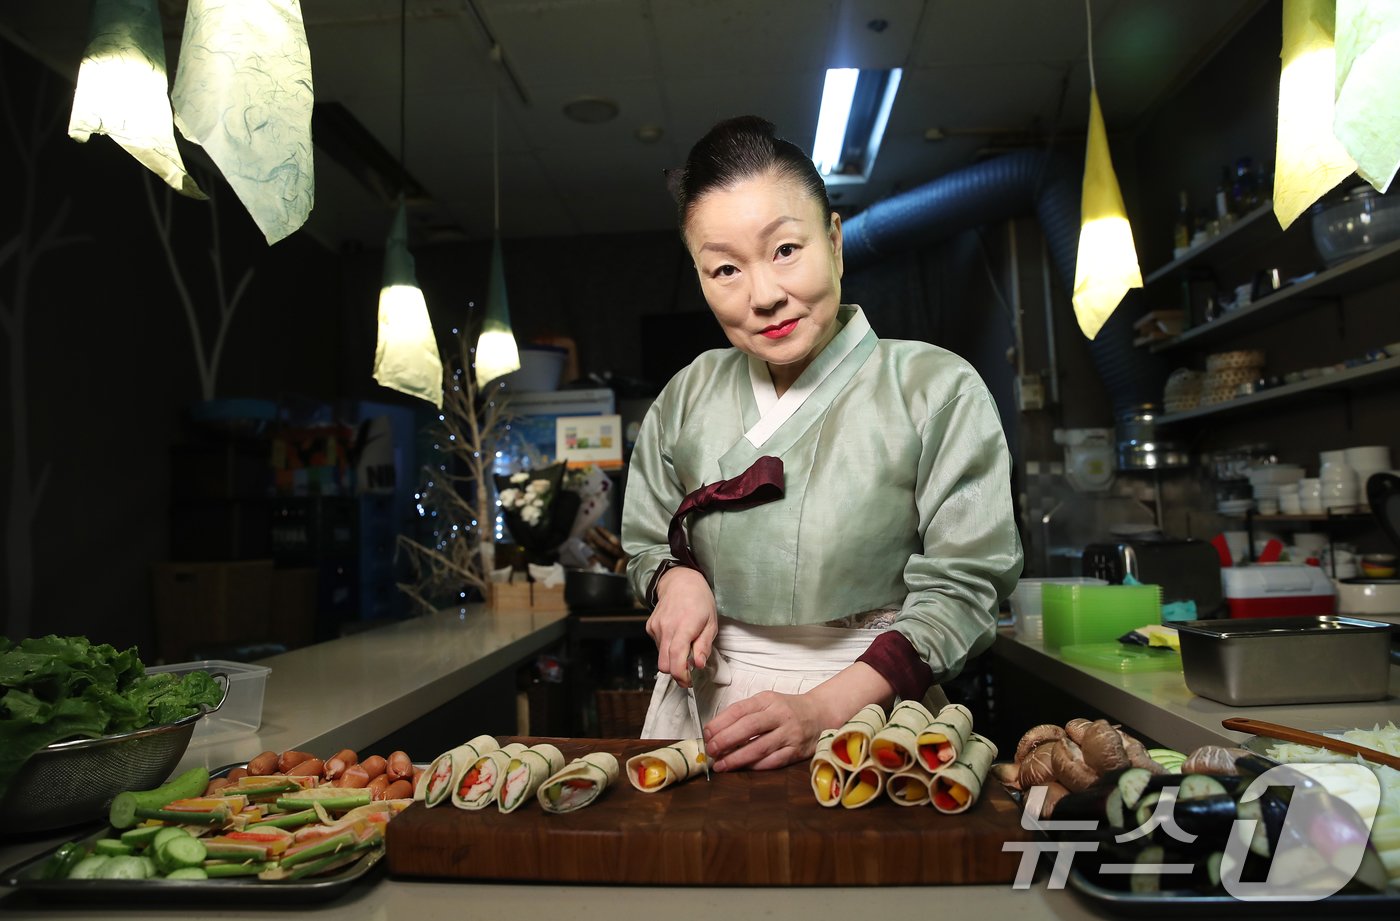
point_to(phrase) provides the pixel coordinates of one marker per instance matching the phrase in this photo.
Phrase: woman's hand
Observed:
(684, 620)
(772, 730)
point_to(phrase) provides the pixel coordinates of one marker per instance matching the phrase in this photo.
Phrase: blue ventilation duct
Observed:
(1016, 185)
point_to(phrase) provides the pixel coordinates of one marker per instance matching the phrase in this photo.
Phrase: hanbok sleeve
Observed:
(653, 494)
(971, 550)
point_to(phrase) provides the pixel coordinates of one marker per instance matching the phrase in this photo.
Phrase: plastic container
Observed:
(1286, 660)
(1122, 658)
(1361, 221)
(243, 705)
(1025, 603)
(1077, 614)
(541, 369)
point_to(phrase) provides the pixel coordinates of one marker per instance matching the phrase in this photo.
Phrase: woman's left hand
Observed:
(768, 730)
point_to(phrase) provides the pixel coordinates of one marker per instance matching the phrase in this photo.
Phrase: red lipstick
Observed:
(781, 329)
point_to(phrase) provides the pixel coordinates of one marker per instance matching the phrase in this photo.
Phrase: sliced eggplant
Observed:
(1148, 881)
(1146, 807)
(1205, 874)
(1200, 786)
(1209, 818)
(1269, 811)
(1113, 808)
(1132, 784)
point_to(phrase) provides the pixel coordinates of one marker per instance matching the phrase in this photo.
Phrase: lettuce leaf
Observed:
(56, 688)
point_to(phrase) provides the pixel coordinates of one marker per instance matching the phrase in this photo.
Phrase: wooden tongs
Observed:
(1303, 737)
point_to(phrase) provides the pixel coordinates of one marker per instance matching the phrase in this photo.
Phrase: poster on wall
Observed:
(589, 440)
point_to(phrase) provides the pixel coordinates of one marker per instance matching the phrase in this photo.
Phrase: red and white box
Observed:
(1278, 590)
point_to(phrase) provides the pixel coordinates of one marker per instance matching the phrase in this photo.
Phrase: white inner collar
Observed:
(773, 410)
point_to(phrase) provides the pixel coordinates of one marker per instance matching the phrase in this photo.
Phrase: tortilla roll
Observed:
(956, 788)
(481, 783)
(863, 786)
(909, 788)
(525, 773)
(580, 782)
(896, 747)
(852, 742)
(661, 767)
(828, 775)
(436, 784)
(942, 741)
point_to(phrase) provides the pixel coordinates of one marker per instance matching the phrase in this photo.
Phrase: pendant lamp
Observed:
(243, 92)
(1107, 264)
(122, 87)
(496, 351)
(406, 354)
(1367, 116)
(1308, 159)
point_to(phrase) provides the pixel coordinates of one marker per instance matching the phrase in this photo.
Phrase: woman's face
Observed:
(770, 268)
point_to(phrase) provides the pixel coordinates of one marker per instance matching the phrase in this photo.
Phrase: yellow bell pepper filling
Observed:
(855, 749)
(825, 783)
(863, 789)
(654, 773)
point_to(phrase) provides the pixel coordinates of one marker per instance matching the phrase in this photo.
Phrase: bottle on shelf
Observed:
(1224, 206)
(1184, 228)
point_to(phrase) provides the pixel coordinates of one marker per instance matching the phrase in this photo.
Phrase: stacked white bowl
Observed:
(1366, 461)
(1268, 481)
(1338, 481)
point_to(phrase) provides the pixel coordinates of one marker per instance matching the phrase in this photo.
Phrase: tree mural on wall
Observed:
(37, 236)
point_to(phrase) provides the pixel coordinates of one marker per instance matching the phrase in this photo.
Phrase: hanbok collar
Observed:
(773, 410)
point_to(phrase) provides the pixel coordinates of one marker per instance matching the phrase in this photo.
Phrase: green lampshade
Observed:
(406, 354)
(496, 351)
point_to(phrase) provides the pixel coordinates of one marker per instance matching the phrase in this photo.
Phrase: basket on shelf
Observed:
(622, 713)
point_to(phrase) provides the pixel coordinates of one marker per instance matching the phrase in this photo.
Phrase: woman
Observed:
(821, 519)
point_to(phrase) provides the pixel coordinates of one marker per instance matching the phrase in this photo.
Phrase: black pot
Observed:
(596, 591)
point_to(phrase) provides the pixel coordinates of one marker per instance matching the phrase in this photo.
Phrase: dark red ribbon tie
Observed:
(762, 482)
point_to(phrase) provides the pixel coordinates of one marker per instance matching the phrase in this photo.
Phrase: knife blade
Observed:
(695, 717)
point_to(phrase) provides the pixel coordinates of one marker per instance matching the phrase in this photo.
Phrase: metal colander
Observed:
(72, 782)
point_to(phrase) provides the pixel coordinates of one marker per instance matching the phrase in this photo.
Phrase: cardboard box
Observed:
(203, 605)
(509, 596)
(547, 599)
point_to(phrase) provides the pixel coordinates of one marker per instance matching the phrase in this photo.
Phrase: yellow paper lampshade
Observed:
(1107, 264)
(406, 355)
(1367, 115)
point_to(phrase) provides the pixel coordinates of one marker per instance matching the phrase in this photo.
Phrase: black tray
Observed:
(1179, 903)
(25, 877)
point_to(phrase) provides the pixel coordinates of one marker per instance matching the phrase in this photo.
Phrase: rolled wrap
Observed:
(909, 788)
(580, 782)
(482, 780)
(442, 776)
(896, 747)
(852, 741)
(965, 775)
(863, 786)
(526, 772)
(828, 775)
(679, 762)
(942, 741)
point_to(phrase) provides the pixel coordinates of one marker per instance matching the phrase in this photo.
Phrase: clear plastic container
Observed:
(242, 708)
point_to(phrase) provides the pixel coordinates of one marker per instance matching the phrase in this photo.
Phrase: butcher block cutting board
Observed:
(747, 828)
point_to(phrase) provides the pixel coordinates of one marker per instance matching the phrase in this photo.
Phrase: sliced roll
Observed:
(942, 741)
(661, 767)
(526, 772)
(852, 742)
(909, 788)
(956, 787)
(580, 782)
(436, 784)
(827, 774)
(896, 747)
(481, 783)
(863, 785)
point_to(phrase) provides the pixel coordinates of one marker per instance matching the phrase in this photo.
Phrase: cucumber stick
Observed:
(189, 784)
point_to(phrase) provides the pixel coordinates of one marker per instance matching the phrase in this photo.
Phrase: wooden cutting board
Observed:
(759, 828)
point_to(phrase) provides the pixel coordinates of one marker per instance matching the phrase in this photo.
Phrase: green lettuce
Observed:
(56, 688)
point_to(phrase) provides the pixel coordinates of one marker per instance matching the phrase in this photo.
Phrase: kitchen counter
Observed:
(1161, 707)
(385, 678)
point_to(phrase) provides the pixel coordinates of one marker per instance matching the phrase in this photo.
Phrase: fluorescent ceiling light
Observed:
(855, 109)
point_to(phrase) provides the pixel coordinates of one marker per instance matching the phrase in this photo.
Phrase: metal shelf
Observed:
(1349, 379)
(1246, 233)
(1364, 271)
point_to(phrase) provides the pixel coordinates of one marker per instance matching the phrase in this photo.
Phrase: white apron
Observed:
(750, 658)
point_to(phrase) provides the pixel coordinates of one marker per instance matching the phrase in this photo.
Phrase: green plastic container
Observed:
(1122, 658)
(1076, 614)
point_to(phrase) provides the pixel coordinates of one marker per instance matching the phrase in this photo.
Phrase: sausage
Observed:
(400, 766)
(377, 786)
(263, 764)
(374, 765)
(237, 774)
(311, 767)
(399, 789)
(354, 778)
(290, 759)
(215, 785)
(337, 763)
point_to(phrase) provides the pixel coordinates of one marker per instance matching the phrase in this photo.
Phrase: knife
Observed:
(695, 716)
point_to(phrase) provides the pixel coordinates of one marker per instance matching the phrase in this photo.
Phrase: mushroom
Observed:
(1037, 735)
(1103, 747)
(1213, 759)
(1006, 774)
(1071, 769)
(1137, 754)
(1054, 792)
(1038, 768)
(1075, 729)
